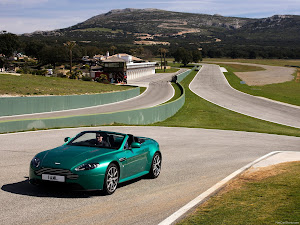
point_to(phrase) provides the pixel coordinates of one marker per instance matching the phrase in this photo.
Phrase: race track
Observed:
(211, 84)
(193, 161)
(159, 91)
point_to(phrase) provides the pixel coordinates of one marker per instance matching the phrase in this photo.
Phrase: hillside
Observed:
(128, 27)
(160, 24)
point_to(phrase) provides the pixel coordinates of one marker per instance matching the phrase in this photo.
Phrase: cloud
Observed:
(245, 8)
(22, 2)
(28, 25)
(20, 16)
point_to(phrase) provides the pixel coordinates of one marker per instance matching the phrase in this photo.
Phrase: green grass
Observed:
(100, 29)
(242, 68)
(288, 92)
(255, 199)
(142, 90)
(270, 62)
(40, 85)
(177, 94)
(199, 113)
(157, 59)
(177, 65)
(172, 70)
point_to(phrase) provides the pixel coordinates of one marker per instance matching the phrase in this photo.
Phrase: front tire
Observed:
(155, 166)
(111, 179)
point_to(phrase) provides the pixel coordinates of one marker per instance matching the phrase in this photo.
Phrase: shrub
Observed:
(86, 78)
(102, 79)
(61, 75)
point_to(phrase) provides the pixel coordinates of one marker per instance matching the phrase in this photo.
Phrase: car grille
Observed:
(61, 172)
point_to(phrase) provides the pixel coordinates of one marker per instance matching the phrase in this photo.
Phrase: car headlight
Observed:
(88, 166)
(35, 162)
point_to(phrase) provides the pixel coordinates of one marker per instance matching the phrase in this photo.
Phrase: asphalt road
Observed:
(211, 84)
(193, 161)
(271, 74)
(159, 91)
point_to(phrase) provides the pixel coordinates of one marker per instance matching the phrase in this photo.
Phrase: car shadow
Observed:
(145, 177)
(25, 188)
(54, 191)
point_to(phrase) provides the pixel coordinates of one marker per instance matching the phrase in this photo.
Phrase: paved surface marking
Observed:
(211, 84)
(193, 161)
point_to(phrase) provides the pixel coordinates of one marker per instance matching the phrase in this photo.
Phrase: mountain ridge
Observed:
(156, 26)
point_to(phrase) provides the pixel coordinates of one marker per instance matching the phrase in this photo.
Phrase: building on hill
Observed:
(120, 68)
(115, 68)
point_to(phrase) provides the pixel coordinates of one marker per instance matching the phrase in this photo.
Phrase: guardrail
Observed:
(26, 105)
(133, 117)
(183, 75)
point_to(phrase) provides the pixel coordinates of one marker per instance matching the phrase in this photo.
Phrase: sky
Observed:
(25, 16)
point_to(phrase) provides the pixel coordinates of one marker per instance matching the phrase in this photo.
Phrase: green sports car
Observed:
(97, 160)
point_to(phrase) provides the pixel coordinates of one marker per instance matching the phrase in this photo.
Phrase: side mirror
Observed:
(67, 139)
(135, 145)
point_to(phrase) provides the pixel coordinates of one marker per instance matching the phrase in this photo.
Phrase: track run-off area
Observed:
(193, 160)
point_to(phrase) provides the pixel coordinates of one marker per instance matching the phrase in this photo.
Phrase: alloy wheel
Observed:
(156, 165)
(112, 179)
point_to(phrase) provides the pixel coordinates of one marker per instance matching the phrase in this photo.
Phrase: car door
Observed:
(136, 160)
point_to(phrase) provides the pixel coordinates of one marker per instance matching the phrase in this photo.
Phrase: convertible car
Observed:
(97, 160)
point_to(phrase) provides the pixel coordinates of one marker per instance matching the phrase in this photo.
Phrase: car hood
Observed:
(69, 156)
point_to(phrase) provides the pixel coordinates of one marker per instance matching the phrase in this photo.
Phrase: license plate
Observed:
(53, 178)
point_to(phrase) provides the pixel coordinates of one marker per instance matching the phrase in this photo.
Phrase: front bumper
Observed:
(86, 180)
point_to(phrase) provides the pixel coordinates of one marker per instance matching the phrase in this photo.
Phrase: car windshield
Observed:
(99, 139)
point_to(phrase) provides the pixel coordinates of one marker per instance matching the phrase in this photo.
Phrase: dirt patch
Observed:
(13, 74)
(271, 75)
(3, 96)
(257, 174)
(298, 76)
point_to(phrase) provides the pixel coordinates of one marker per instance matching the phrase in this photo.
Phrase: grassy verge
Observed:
(142, 90)
(199, 113)
(288, 92)
(269, 196)
(177, 65)
(242, 68)
(177, 94)
(172, 70)
(270, 62)
(40, 85)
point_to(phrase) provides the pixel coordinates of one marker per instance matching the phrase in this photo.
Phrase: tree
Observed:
(161, 56)
(163, 52)
(182, 55)
(1, 63)
(196, 55)
(186, 57)
(70, 45)
(52, 55)
(252, 54)
(8, 44)
(113, 48)
(91, 51)
(33, 48)
(178, 55)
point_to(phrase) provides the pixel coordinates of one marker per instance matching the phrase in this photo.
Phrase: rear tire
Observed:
(155, 166)
(111, 179)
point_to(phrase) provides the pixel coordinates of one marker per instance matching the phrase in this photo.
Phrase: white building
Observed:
(136, 68)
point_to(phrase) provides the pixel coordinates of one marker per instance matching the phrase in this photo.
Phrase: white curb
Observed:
(205, 195)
